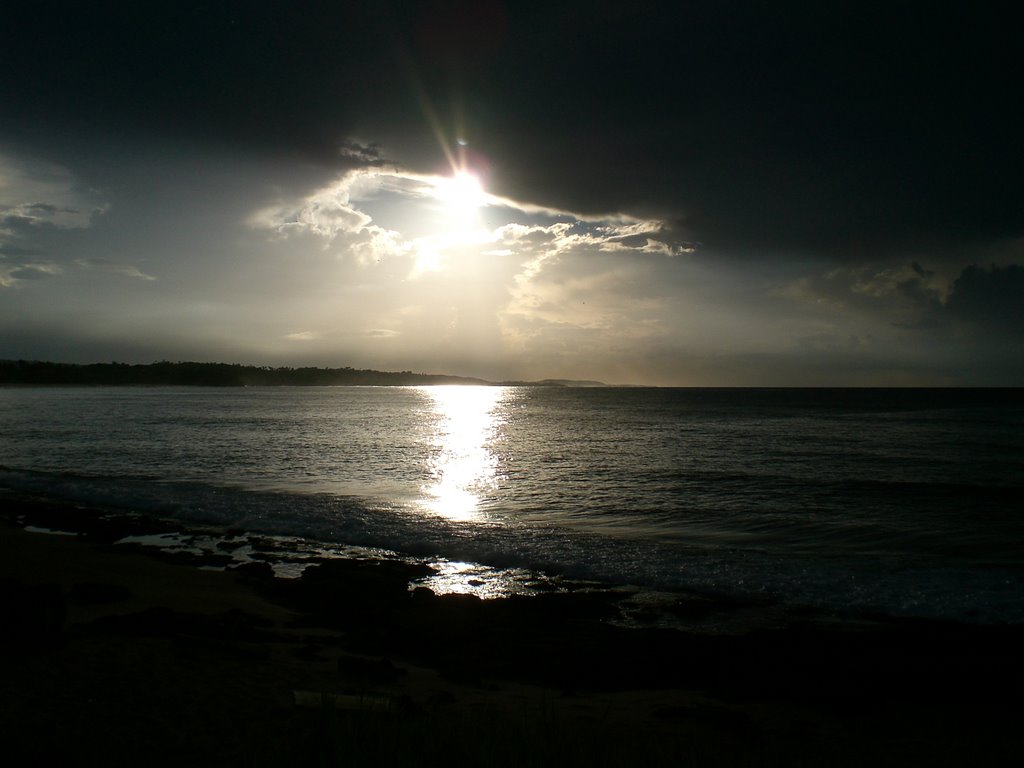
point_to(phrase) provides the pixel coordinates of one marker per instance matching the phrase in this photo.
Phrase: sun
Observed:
(455, 221)
(461, 194)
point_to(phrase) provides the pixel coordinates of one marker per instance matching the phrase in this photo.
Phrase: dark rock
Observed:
(348, 592)
(255, 570)
(369, 671)
(95, 593)
(180, 557)
(94, 524)
(695, 607)
(227, 626)
(310, 652)
(366, 575)
(32, 615)
(423, 595)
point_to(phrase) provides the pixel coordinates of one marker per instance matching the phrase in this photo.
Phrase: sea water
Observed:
(906, 502)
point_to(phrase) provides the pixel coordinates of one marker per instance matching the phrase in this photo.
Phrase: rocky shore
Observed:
(129, 654)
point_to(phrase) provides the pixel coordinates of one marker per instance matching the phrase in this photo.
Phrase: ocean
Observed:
(896, 502)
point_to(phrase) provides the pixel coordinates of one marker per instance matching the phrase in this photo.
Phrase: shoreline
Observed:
(240, 663)
(228, 525)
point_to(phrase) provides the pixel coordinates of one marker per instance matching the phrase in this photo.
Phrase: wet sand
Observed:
(129, 655)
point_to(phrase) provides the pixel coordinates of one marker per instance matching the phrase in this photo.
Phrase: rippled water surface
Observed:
(905, 501)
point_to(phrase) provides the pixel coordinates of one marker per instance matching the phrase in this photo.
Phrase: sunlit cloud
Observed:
(379, 213)
(457, 270)
(114, 268)
(327, 213)
(453, 264)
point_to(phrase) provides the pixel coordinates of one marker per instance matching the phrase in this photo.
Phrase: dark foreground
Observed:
(128, 656)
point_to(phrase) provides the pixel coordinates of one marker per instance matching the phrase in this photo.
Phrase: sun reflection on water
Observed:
(464, 466)
(460, 578)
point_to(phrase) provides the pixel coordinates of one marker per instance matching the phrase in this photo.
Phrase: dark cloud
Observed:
(6, 249)
(980, 303)
(773, 125)
(631, 241)
(18, 223)
(30, 272)
(990, 299)
(363, 155)
(796, 125)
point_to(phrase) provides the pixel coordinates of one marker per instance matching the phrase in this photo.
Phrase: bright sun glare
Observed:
(461, 193)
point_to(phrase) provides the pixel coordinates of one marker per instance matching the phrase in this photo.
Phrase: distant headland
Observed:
(190, 374)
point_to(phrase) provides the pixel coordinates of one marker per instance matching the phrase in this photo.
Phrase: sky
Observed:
(686, 193)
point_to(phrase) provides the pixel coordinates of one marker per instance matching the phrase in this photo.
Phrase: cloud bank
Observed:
(669, 193)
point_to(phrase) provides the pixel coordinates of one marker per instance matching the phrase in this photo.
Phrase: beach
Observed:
(125, 653)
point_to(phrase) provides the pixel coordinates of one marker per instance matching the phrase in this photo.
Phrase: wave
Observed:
(860, 576)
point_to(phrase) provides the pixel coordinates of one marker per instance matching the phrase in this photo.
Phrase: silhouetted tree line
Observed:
(32, 372)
